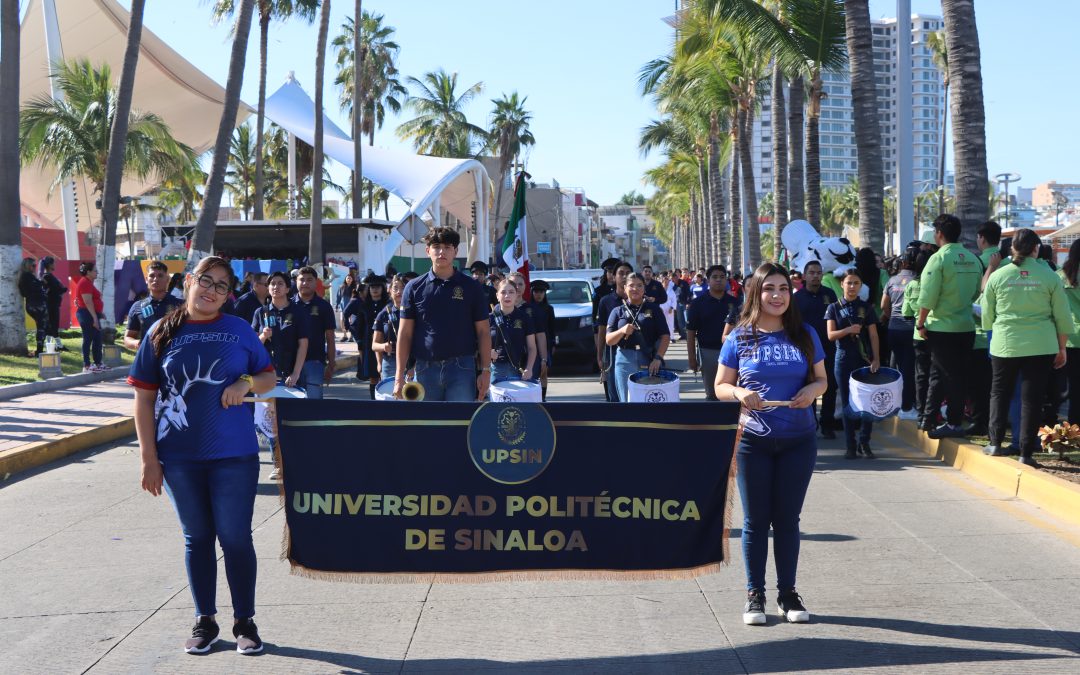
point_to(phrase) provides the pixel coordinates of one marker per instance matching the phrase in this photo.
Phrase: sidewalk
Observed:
(41, 428)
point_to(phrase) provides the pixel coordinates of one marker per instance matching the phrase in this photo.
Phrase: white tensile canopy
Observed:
(429, 185)
(189, 101)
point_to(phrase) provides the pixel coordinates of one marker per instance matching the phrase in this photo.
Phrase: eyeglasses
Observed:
(207, 281)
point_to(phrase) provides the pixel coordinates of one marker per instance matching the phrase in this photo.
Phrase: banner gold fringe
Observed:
(730, 491)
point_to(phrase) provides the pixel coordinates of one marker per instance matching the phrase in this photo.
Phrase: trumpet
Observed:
(412, 391)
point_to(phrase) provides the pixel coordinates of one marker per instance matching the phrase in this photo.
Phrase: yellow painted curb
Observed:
(1054, 495)
(35, 454)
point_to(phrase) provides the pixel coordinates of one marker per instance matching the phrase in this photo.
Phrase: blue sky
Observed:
(578, 62)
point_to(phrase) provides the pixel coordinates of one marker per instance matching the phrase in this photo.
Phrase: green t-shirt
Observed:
(1072, 294)
(950, 284)
(982, 338)
(1026, 308)
(910, 307)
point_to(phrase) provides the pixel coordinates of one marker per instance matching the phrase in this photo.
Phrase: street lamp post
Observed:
(1007, 178)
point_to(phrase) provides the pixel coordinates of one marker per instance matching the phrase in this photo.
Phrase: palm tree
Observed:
(796, 128)
(778, 115)
(376, 79)
(860, 44)
(315, 242)
(202, 243)
(969, 115)
(440, 127)
(12, 333)
(179, 193)
(939, 52)
(240, 178)
(509, 131)
(269, 10)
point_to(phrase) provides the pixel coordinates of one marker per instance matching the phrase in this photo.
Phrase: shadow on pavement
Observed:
(1030, 637)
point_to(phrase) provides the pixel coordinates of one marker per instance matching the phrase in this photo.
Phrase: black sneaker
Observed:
(864, 449)
(247, 636)
(789, 605)
(851, 454)
(754, 611)
(1029, 461)
(947, 431)
(203, 636)
(828, 434)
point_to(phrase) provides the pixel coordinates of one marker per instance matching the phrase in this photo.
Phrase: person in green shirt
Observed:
(949, 285)
(1069, 274)
(910, 309)
(1025, 306)
(987, 237)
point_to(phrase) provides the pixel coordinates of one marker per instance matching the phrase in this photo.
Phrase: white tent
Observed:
(429, 185)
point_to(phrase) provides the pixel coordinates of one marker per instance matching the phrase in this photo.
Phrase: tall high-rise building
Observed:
(839, 160)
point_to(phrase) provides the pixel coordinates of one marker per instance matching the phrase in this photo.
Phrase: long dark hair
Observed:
(1072, 263)
(1025, 244)
(866, 264)
(172, 322)
(792, 320)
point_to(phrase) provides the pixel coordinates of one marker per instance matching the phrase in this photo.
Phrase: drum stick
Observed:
(776, 404)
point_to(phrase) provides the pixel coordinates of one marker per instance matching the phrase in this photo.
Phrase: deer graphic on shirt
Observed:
(172, 408)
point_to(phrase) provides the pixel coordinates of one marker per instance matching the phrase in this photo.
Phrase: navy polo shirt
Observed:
(707, 317)
(146, 312)
(508, 333)
(602, 291)
(655, 290)
(445, 312)
(354, 316)
(320, 319)
(812, 307)
(287, 325)
(649, 317)
(850, 313)
(246, 306)
(387, 324)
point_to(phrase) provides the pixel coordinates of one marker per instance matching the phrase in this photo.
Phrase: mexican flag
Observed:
(515, 245)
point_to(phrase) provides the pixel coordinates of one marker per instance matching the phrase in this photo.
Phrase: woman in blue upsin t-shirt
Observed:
(197, 439)
(772, 356)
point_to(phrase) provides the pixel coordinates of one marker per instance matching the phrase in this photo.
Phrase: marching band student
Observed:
(639, 329)
(282, 328)
(250, 302)
(540, 368)
(513, 339)
(605, 354)
(376, 300)
(654, 290)
(709, 320)
(157, 303)
(773, 356)
(384, 336)
(546, 326)
(354, 318)
(856, 346)
(202, 447)
(479, 271)
(444, 325)
(319, 363)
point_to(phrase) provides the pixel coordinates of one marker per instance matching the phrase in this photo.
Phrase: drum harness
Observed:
(500, 317)
(649, 351)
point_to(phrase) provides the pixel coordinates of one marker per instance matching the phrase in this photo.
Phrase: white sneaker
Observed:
(789, 605)
(908, 414)
(275, 474)
(754, 610)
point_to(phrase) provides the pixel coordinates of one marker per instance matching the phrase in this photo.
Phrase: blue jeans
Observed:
(91, 337)
(680, 319)
(215, 500)
(311, 378)
(773, 475)
(848, 362)
(627, 362)
(449, 380)
(389, 366)
(504, 371)
(903, 354)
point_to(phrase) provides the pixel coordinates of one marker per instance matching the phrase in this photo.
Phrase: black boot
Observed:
(543, 394)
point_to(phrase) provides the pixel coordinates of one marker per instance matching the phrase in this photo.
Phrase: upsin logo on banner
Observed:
(397, 492)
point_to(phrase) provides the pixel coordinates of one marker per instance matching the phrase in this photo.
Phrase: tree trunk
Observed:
(969, 115)
(779, 154)
(114, 165)
(796, 156)
(867, 127)
(944, 136)
(202, 244)
(716, 189)
(12, 317)
(706, 207)
(735, 216)
(315, 238)
(260, 116)
(746, 136)
(357, 125)
(692, 233)
(813, 153)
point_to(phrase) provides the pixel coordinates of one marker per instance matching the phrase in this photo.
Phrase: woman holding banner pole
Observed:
(774, 365)
(197, 440)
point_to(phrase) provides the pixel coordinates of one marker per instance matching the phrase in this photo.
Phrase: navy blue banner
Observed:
(394, 488)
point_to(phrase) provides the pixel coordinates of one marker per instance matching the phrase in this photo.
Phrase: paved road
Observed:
(907, 566)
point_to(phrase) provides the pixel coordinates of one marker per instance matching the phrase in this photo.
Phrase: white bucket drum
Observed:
(660, 388)
(515, 391)
(874, 396)
(264, 412)
(384, 390)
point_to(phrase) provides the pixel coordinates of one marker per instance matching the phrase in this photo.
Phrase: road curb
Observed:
(1054, 495)
(38, 453)
(11, 391)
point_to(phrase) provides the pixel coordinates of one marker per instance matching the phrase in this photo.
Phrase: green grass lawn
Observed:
(19, 369)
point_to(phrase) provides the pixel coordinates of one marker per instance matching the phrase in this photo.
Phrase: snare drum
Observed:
(264, 412)
(660, 388)
(874, 396)
(512, 390)
(384, 391)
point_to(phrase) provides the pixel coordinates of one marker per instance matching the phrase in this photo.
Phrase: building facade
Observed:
(1042, 195)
